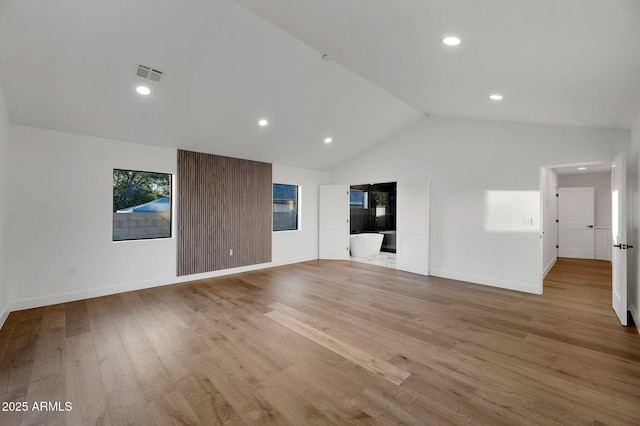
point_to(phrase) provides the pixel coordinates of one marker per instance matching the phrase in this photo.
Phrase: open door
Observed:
(412, 236)
(619, 238)
(334, 222)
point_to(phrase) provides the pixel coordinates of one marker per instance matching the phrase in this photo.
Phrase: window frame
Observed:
(364, 205)
(171, 218)
(298, 200)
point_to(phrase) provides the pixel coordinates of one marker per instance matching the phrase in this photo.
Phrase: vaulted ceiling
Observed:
(69, 65)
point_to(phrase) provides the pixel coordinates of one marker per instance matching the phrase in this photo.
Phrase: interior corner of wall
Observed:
(4, 314)
(547, 269)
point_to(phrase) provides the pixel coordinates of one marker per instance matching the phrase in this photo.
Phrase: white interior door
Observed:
(576, 208)
(619, 238)
(412, 251)
(334, 222)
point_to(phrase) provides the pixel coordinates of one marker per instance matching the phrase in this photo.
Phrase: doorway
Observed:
(412, 224)
(372, 210)
(609, 219)
(565, 182)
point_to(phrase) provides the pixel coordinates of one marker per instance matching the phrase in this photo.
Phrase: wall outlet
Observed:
(231, 252)
(527, 221)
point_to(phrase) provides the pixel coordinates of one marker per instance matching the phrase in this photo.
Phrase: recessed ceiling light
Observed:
(262, 122)
(451, 41)
(495, 97)
(143, 90)
(328, 140)
(582, 168)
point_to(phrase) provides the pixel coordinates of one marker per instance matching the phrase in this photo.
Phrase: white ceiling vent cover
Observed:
(150, 74)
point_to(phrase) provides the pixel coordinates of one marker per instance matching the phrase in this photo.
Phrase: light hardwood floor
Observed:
(327, 342)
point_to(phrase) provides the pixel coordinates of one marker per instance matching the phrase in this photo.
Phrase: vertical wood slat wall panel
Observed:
(223, 204)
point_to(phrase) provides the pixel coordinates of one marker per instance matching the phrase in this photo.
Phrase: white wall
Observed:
(633, 229)
(479, 169)
(60, 202)
(4, 162)
(549, 183)
(61, 221)
(601, 183)
(60, 210)
(301, 245)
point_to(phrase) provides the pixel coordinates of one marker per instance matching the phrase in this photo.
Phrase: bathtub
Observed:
(365, 245)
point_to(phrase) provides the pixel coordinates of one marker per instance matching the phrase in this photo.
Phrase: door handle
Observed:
(629, 246)
(589, 226)
(618, 246)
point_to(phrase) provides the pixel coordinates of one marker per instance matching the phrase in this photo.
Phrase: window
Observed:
(358, 199)
(141, 205)
(285, 207)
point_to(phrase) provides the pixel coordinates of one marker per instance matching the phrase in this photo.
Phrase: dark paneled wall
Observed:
(379, 196)
(223, 204)
(366, 220)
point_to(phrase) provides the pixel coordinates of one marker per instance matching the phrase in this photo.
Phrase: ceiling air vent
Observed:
(149, 74)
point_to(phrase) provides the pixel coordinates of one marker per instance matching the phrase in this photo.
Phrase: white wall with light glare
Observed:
(485, 180)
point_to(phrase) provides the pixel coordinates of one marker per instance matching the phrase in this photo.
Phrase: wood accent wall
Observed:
(223, 204)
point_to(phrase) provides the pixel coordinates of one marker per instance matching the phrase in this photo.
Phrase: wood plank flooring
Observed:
(328, 342)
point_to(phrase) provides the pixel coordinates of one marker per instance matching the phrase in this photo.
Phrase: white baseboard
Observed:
(526, 288)
(549, 266)
(603, 258)
(106, 291)
(4, 315)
